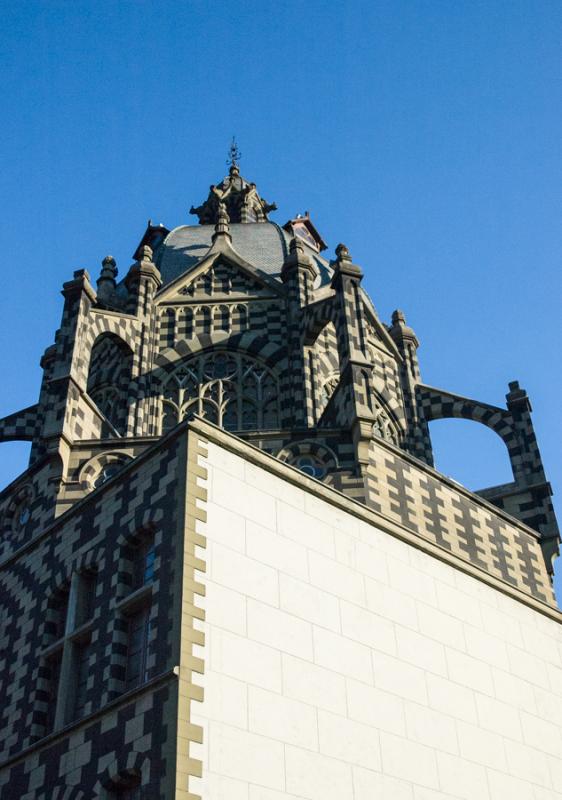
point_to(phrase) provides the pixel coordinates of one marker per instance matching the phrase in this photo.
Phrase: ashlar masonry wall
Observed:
(343, 663)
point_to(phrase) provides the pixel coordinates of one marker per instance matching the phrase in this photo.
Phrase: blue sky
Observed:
(424, 135)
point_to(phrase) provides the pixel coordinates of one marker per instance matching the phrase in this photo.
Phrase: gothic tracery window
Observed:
(384, 427)
(328, 389)
(230, 389)
(106, 398)
(109, 375)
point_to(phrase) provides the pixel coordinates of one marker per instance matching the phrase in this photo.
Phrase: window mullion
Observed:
(64, 698)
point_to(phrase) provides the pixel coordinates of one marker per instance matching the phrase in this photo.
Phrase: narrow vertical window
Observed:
(67, 657)
(137, 648)
(82, 659)
(60, 607)
(144, 561)
(54, 665)
(86, 597)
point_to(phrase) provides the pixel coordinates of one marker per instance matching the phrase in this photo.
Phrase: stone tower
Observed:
(234, 348)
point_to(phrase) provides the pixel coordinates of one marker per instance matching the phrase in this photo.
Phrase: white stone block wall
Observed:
(343, 663)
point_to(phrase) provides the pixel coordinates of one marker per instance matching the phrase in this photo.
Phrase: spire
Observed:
(106, 280)
(297, 258)
(399, 327)
(234, 154)
(344, 265)
(145, 255)
(240, 197)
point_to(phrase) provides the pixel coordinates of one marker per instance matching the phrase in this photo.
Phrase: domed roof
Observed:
(264, 245)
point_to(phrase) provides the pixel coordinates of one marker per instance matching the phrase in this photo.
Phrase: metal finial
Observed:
(234, 154)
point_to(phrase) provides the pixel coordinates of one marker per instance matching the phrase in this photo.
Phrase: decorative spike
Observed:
(109, 263)
(146, 253)
(297, 258)
(234, 155)
(344, 265)
(399, 330)
(222, 226)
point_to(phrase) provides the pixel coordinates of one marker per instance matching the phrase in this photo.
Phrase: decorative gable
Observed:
(221, 279)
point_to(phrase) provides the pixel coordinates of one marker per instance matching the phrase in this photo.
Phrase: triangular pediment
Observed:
(378, 334)
(221, 275)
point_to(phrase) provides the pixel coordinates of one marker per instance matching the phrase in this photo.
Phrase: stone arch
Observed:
(248, 342)
(184, 328)
(91, 473)
(127, 770)
(233, 388)
(203, 320)
(221, 319)
(125, 330)
(109, 376)
(22, 426)
(473, 455)
(313, 458)
(88, 560)
(17, 516)
(239, 318)
(436, 404)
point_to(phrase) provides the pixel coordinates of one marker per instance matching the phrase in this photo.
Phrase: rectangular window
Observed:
(144, 559)
(54, 664)
(82, 658)
(137, 648)
(60, 608)
(86, 597)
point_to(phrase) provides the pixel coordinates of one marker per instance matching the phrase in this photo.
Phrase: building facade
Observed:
(231, 570)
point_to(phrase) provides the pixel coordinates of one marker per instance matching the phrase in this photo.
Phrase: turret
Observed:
(142, 281)
(355, 366)
(298, 275)
(106, 281)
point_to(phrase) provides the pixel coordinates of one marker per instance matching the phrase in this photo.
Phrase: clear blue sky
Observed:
(424, 135)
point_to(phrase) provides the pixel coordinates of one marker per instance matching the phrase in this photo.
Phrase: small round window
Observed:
(107, 472)
(20, 513)
(23, 514)
(311, 466)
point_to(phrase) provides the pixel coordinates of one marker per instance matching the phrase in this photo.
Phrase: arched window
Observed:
(203, 321)
(167, 327)
(101, 468)
(108, 378)
(232, 390)
(185, 323)
(366, 389)
(106, 398)
(222, 319)
(384, 426)
(239, 319)
(311, 457)
(18, 514)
